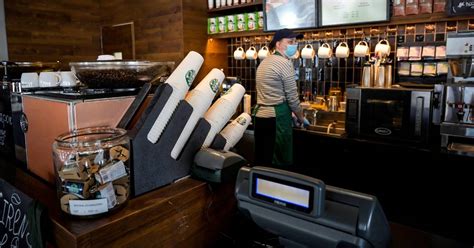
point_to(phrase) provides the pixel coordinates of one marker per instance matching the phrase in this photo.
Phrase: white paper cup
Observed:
(200, 98)
(221, 111)
(180, 79)
(234, 131)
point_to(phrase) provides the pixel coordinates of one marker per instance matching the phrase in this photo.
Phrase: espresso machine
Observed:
(457, 95)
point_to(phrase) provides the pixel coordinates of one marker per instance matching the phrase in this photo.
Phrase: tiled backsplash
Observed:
(324, 74)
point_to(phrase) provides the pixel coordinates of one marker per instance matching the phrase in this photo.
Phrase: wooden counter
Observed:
(188, 213)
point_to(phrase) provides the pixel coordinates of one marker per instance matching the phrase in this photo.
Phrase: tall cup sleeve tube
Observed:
(221, 111)
(181, 78)
(200, 98)
(234, 131)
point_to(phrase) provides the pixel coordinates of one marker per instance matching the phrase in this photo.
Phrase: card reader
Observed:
(216, 166)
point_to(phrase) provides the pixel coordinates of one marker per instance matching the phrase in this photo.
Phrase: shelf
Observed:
(240, 6)
(239, 34)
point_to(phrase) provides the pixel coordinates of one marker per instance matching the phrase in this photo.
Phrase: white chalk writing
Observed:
(3, 136)
(466, 4)
(13, 222)
(5, 119)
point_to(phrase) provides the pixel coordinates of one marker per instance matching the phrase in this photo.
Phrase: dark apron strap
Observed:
(283, 150)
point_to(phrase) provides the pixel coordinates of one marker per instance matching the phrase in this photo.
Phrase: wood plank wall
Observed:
(46, 30)
(158, 26)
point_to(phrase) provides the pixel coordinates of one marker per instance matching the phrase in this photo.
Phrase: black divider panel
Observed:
(153, 165)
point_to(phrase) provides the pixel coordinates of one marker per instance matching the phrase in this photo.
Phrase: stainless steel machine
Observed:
(457, 94)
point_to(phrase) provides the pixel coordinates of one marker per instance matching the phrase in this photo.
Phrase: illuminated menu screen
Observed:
(289, 14)
(283, 193)
(339, 12)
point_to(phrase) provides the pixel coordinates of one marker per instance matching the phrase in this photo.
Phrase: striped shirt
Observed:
(275, 82)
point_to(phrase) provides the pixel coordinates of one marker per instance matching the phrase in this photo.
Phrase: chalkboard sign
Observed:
(460, 7)
(14, 224)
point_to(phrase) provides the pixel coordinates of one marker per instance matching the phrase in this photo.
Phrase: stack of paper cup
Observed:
(181, 78)
(235, 130)
(221, 111)
(200, 98)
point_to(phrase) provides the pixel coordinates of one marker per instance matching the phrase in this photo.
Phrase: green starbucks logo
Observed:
(241, 121)
(214, 84)
(190, 77)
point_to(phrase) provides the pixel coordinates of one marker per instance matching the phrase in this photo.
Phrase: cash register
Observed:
(304, 212)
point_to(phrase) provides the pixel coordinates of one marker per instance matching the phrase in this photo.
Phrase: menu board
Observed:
(343, 12)
(460, 7)
(289, 14)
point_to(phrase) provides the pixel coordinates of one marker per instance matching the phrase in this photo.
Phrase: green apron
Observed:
(283, 149)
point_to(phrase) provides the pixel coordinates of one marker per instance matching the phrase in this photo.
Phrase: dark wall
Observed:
(47, 30)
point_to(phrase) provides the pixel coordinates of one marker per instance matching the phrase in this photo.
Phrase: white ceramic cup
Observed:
(29, 80)
(342, 51)
(229, 2)
(68, 79)
(210, 4)
(307, 52)
(324, 51)
(223, 3)
(263, 52)
(361, 49)
(239, 53)
(251, 53)
(236, 2)
(382, 48)
(218, 3)
(49, 79)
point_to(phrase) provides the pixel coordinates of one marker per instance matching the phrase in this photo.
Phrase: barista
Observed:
(277, 99)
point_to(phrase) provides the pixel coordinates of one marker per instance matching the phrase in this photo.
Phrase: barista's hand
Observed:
(305, 123)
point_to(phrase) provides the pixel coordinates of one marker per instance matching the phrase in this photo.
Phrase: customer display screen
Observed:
(342, 12)
(283, 193)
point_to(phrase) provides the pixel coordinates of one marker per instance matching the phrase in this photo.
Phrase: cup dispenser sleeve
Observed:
(153, 165)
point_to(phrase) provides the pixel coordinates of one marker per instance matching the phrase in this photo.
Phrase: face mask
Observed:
(291, 50)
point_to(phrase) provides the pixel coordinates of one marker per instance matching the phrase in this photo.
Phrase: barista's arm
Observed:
(291, 95)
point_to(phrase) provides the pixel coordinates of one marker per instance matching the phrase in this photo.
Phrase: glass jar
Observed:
(92, 167)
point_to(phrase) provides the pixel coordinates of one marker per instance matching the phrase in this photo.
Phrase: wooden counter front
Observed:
(188, 213)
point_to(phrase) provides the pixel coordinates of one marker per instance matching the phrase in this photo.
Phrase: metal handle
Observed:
(24, 123)
(471, 72)
(419, 115)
